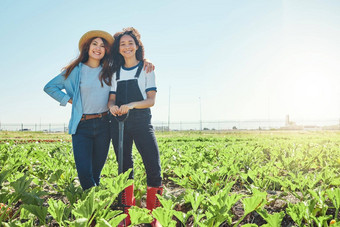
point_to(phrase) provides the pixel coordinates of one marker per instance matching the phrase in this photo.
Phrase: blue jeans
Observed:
(91, 144)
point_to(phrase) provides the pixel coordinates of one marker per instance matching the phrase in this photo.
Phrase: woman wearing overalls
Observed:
(134, 91)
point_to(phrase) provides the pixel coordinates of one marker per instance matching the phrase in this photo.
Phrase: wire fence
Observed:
(332, 124)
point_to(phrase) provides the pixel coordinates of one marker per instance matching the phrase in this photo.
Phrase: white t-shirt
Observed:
(146, 81)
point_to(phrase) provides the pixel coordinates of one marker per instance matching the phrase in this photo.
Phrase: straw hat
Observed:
(95, 33)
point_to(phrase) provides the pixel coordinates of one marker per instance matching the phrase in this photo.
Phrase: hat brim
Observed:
(95, 33)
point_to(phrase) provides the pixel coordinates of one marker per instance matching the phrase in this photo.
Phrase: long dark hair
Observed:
(106, 73)
(118, 59)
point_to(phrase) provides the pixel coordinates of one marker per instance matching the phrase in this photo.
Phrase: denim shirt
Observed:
(72, 87)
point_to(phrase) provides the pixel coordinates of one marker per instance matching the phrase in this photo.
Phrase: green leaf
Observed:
(334, 196)
(33, 197)
(85, 208)
(55, 176)
(102, 223)
(219, 207)
(57, 209)
(195, 199)
(166, 204)
(164, 217)
(322, 220)
(115, 221)
(72, 193)
(3, 175)
(120, 182)
(254, 202)
(21, 185)
(80, 222)
(39, 211)
(17, 223)
(182, 217)
(274, 219)
(296, 212)
(250, 204)
(107, 213)
(139, 215)
(198, 216)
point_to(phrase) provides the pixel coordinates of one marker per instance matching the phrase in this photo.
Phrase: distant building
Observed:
(288, 122)
(291, 125)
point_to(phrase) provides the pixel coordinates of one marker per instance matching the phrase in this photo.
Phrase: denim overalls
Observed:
(137, 128)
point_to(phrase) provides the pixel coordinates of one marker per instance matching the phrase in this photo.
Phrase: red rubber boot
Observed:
(128, 200)
(152, 202)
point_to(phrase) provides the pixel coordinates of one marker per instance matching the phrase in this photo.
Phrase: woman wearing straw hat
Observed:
(134, 91)
(87, 82)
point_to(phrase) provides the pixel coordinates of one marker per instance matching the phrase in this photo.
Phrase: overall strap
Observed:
(140, 67)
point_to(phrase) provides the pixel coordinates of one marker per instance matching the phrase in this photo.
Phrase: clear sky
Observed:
(237, 60)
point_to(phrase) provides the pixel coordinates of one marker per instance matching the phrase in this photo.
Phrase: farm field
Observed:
(249, 178)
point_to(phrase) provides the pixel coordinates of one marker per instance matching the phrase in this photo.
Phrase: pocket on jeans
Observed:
(81, 123)
(81, 126)
(105, 121)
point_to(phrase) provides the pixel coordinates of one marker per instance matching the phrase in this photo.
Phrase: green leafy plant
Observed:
(195, 199)
(39, 211)
(164, 216)
(72, 193)
(274, 219)
(297, 169)
(58, 210)
(139, 215)
(256, 201)
(219, 206)
(334, 196)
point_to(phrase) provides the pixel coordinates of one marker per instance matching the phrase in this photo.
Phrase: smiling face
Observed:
(127, 46)
(97, 49)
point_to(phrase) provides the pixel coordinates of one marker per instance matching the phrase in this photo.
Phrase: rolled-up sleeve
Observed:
(150, 82)
(54, 89)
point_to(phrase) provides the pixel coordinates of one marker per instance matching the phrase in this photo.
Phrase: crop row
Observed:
(231, 179)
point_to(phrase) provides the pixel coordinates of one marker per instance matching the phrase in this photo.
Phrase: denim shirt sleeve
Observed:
(54, 89)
